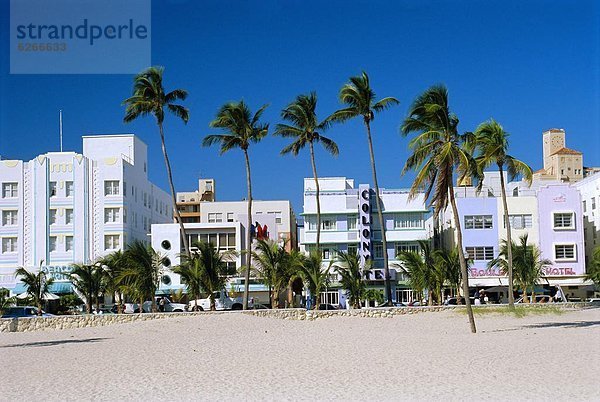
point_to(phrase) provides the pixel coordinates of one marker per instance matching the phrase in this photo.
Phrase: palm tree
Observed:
(113, 265)
(359, 98)
(5, 300)
(347, 265)
(213, 270)
(149, 98)
(191, 271)
(313, 276)
(90, 281)
(528, 266)
(448, 262)
(305, 128)
(593, 270)
(241, 128)
(492, 142)
(142, 272)
(423, 273)
(37, 285)
(437, 151)
(271, 262)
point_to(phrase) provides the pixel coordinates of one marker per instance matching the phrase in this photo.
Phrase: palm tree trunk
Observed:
(97, 304)
(511, 291)
(314, 168)
(88, 303)
(213, 304)
(463, 263)
(386, 269)
(186, 248)
(142, 305)
(248, 233)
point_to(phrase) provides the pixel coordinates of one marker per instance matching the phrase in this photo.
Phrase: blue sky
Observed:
(531, 65)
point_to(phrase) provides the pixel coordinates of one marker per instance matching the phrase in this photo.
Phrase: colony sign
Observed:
(364, 225)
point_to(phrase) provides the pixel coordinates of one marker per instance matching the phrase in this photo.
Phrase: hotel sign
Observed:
(364, 224)
(58, 273)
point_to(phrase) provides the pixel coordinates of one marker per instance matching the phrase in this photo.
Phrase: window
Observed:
(351, 220)
(278, 217)
(52, 189)
(378, 250)
(9, 245)
(564, 252)
(52, 217)
(111, 187)
(69, 189)
(145, 199)
(329, 252)
(328, 224)
(111, 242)
(523, 221)
(352, 249)
(124, 189)
(480, 253)
(215, 217)
(564, 220)
(226, 241)
(124, 215)
(9, 190)
(69, 216)
(593, 203)
(478, 222)
(230, 268)
(584, 206)
(229, 216)
(409, 220)
(111, 215)
(52, 243)
(68, 243)
(9, 218)
(400, 247)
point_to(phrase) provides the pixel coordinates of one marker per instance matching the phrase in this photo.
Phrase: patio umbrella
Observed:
(47, 296)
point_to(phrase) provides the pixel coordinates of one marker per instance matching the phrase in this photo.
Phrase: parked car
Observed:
(414, 303)
(23, 312)
(170, 307)
(453, 301)
(538, 299)
(325, 306)
(222, 302)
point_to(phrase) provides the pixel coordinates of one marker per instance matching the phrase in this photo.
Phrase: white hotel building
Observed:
(223, 223)
(343, 207)
(64, 207)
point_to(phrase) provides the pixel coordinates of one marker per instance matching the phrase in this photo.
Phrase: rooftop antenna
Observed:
(60, 128)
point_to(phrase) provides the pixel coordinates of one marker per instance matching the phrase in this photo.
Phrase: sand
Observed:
(233, 356)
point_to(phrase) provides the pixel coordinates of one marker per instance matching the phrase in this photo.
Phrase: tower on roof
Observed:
(560, 162)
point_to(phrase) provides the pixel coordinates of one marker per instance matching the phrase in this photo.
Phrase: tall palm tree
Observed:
(313, 275)
(438, 150)
(38, 285)
(142, 272)
(241, 128)
(90, 281)
(527, 264)
(271, 262)
(149, 98)
(360, 100)
(492, 143)
(213, 270)
(191, 270)
(305, 128)
(347, 265)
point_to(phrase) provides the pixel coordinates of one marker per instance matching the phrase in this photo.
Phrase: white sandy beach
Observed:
(234, 356)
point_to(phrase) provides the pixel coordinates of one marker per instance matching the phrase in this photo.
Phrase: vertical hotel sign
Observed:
(364, 226)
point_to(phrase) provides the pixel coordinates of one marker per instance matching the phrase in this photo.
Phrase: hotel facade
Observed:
(349, 224)
(62, 208)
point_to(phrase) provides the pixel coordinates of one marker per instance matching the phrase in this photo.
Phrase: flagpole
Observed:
(60, 128)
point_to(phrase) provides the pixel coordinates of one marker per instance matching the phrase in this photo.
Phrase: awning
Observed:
(57, 288)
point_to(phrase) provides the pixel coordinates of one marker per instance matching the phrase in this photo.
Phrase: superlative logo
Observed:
(364, 226)
(79, 37)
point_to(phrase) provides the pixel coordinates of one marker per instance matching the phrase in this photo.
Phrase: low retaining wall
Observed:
(84, 321)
